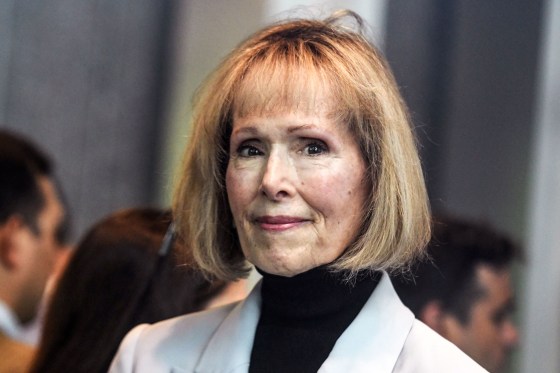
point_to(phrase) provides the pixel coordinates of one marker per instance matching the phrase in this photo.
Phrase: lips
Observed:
(279, 223)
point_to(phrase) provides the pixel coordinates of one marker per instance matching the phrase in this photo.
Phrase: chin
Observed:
(283, 268)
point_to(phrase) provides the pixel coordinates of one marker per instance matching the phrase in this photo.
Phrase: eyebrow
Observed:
(301, 127)
(252, 129)
(510, 304)
(507, 308)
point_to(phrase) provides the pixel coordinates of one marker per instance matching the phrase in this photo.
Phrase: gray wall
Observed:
(468, 71)
(541, 304)
(84, 80)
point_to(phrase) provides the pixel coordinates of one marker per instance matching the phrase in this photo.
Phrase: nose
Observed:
(278, 177)
(510, 334)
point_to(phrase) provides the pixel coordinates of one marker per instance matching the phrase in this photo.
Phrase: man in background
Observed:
(464, 291)
(32, 233)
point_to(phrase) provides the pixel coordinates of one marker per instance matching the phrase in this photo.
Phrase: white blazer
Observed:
(383, 338)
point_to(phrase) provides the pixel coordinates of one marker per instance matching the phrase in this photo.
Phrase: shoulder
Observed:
(170, 343)
(427, 351)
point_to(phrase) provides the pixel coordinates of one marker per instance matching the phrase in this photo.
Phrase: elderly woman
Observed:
(302, 162)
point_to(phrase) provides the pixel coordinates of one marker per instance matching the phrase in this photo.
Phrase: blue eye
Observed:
(248, 151)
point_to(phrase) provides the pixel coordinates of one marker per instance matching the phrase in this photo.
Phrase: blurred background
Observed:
(105, 86)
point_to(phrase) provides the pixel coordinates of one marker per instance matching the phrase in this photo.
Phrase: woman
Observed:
(120, 275)
(302, 162)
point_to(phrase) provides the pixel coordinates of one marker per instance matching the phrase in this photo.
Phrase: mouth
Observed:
(279, 223)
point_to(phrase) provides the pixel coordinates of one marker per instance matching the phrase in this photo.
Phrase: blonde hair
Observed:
(285, 66)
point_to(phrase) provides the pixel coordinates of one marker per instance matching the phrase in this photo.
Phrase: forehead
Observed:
(496, 285)
(285, 88)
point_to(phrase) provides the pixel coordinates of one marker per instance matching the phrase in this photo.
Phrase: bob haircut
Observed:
(288, 66)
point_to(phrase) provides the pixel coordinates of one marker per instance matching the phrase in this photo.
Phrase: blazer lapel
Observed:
(229, 349)
(372, 342)
(375, 338)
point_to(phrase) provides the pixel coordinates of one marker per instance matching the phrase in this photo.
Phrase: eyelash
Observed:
(321, 147)
(245, 149)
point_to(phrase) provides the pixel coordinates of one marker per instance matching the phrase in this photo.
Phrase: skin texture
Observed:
(295, 187)
(38, 252)
(490, 334)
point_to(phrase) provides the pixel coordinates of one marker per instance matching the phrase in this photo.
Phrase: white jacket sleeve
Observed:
(124, 360)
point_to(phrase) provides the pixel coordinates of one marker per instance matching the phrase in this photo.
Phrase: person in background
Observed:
(33, 231)
(303, 163)
(464, 290)
(122, 273)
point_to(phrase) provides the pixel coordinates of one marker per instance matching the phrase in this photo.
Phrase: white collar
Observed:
(9, 323)
(375, 337)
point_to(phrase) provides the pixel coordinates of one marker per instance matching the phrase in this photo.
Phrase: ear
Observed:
(432, 315)
(444, 323)
(9, 253)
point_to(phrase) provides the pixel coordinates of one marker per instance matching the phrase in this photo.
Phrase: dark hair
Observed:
(21, 163)
(115, 280)
(456, 249)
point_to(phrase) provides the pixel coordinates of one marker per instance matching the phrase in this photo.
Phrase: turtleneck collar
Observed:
(303, 316)
(316, 293)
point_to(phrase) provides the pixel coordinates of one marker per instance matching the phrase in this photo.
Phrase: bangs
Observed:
(273, 85)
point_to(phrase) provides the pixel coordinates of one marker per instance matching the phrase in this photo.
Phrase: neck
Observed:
(8, 291)
(315, 293)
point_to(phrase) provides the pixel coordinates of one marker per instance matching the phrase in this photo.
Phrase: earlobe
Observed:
(8, 242)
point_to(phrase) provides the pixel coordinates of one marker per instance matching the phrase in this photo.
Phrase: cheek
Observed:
(334, 191)
(239, 187)
(482, 326)
(232, 188)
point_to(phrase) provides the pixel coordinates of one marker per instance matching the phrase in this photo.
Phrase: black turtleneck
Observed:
(303, 316)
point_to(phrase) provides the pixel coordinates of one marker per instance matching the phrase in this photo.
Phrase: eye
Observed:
(315, 147)
(498, 318)
(247, 150)
(502, 314)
